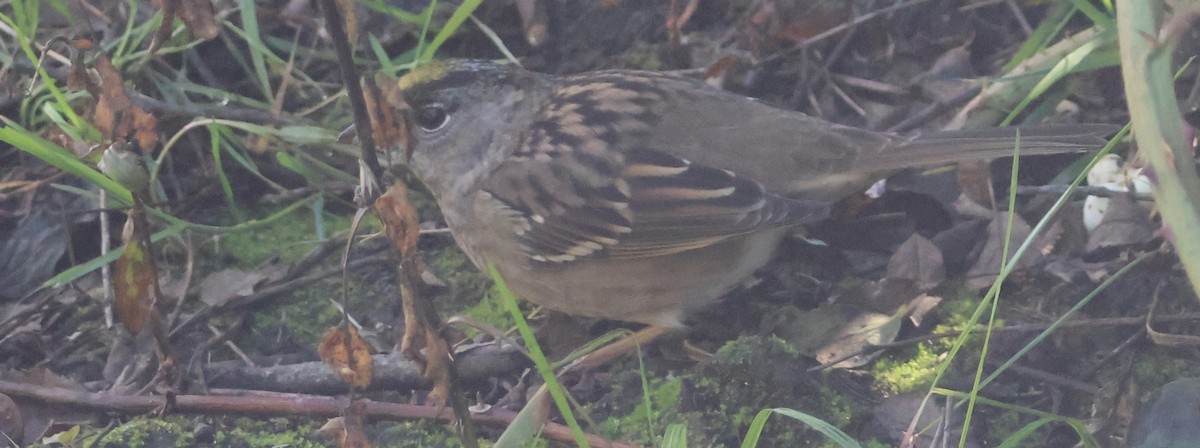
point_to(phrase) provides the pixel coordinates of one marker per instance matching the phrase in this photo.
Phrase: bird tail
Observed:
(940, 147)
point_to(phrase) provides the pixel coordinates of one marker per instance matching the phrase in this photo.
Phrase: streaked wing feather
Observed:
(572, 211)
(588, 186)
(697, 206)
(645, 210)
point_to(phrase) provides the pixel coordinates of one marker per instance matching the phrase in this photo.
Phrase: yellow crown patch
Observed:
(430, 71)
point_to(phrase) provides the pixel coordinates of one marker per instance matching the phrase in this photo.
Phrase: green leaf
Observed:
(675, 436)
(832, 432)
(456, 20)
(307, 135)
(539, 358)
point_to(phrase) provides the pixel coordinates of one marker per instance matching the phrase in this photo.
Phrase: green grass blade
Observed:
(525, 428)
(214, 139)
(1064, 67)
(258, 50)
(675, 436)
(1101, 18)
(1014, 440)
(456, 20)
(397, 13)
(539, 358)
(60, 158)
(1066, 316)
(832, 432)
(1057, 18)
(995, 305)
(75, 272)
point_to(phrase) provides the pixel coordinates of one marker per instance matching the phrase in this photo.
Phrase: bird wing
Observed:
(586, 183)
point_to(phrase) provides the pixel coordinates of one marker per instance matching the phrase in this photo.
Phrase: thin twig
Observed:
(268, 405)
(1019, 328)
(275, 291)
(1081, 191)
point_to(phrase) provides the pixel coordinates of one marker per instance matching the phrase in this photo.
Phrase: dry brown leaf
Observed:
(399, 218)
(347, 431)
(919, 260)
(12, 421)
(987, 267)
(437, 368)
(228, 284)
(421, 340)
(197, 15)
(975, 181)
(115, 116)
(347, 354)
(885, 295)
(716, 72)
(863, 330)
(77, 77)
(135, 278)
(1114, 406)
(135, 285)
(1125, 223)
(388, 130)
(920, 306)
(39, 416)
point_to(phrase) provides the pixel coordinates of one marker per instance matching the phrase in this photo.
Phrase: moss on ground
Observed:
(204, 431)
(288, 238)
(908, 371)
(412, 434)
(723, 394)
(631, 418)
(467, 290)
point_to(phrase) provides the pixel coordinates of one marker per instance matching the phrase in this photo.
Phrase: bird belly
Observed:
(658, 291)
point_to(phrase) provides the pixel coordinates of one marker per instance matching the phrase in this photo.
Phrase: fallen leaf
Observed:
(919, 260)
(64, 438)
(225, 285)
(384, 103)
(894, 414)
(115, 115)
(920, 306)
(959, 241)
(865, 329)
(832, 331)
(1113, 407)
(885, 295)
(39, 416)
(12, 421)
(197, 15)
(1125, 223)
(347, 429)
(987, 267)
(135, 278)
(975, 180)
(347, 354)
(399, 218)
(527, 425)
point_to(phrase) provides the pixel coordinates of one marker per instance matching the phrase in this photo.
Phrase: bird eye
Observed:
(431, 117)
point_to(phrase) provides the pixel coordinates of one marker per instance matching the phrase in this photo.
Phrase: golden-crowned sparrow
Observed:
(641, 196)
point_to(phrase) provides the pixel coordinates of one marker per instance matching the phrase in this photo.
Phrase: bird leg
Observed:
(606, 354)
